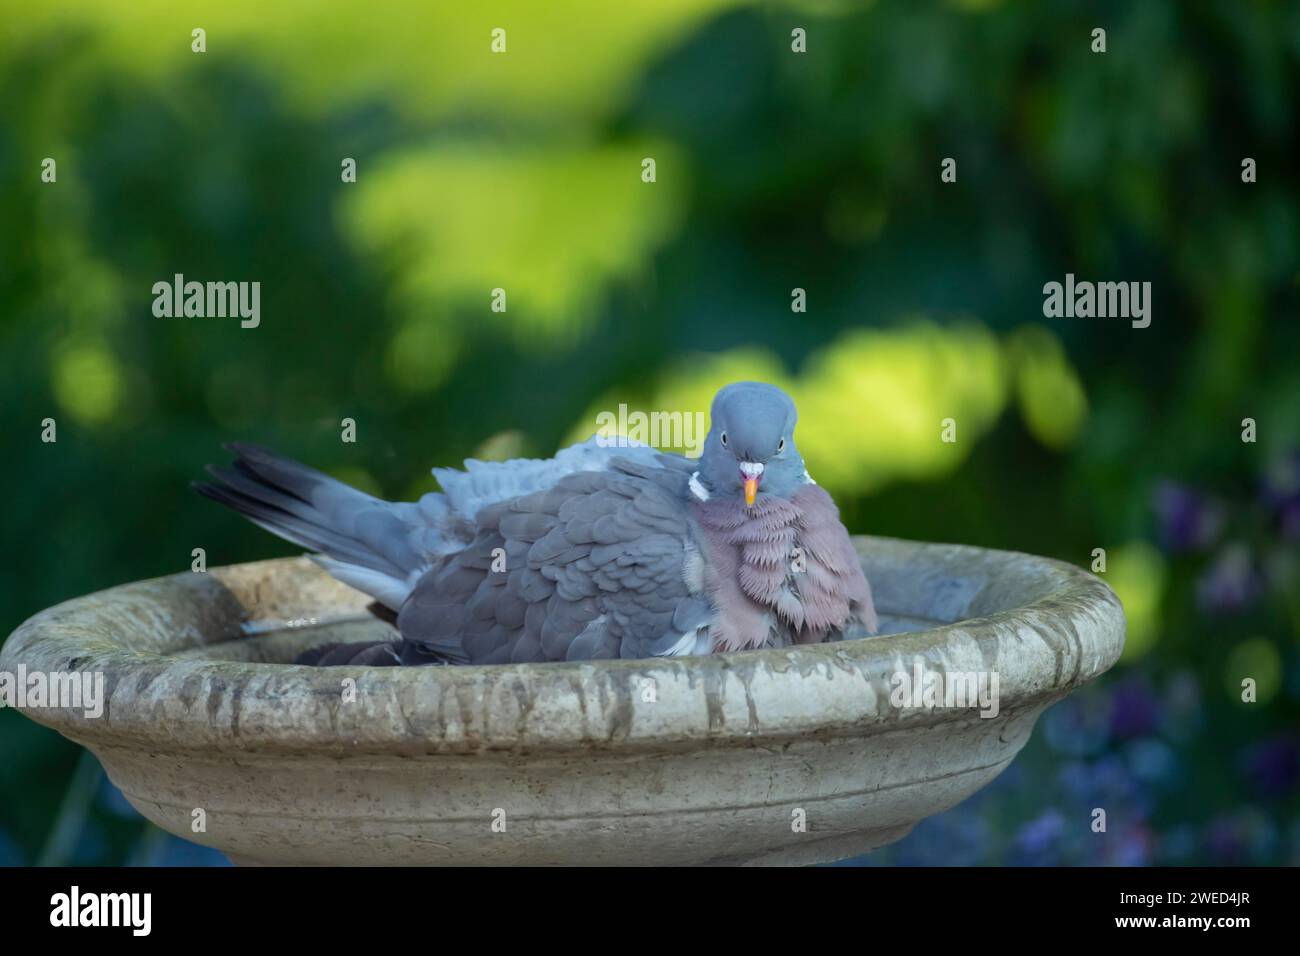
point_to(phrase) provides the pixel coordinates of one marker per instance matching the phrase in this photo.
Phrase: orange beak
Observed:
(751, 489)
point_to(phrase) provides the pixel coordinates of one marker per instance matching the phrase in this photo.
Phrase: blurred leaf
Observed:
(551, 227)
(1051, 396)
(1137, 572)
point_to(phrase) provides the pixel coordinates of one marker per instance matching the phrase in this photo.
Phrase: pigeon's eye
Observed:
(724, 439)
(780, 446)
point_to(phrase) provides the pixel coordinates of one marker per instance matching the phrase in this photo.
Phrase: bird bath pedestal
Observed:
(796, 755)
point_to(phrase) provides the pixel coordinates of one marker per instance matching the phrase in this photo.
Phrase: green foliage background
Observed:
(775, 170)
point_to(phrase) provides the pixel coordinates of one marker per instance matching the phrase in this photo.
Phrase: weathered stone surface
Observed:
(201, 713)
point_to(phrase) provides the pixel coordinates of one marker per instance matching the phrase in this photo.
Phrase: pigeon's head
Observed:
(750, 445)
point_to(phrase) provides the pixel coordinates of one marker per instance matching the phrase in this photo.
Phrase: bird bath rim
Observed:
(147, 637)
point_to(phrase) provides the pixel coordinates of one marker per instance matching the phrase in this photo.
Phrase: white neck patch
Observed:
(697, 489)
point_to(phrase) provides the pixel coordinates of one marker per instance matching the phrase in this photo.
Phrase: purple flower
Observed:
(1077, 726)
(1282, 480)
(1273, 767)
(1288, 520)
(1129, 845)
(1188, 521)
(1038, 842)
(1106, 783)
(1243, 837)
(1281, 494)
(959, 837)
(1231, 583)
(1224, 841)
(1134, 710)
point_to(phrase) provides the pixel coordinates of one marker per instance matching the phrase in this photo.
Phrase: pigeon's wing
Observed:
(600, 564)
(384, 547)
(467, 491)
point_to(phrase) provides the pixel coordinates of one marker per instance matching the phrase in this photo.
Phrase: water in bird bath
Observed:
(909, 600)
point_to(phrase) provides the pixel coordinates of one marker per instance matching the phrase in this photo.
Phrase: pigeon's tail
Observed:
(362, 540)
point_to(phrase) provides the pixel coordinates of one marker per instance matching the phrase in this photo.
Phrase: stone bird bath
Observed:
(774, 756)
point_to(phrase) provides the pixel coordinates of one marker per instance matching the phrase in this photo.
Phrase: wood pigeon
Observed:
(607, 550)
